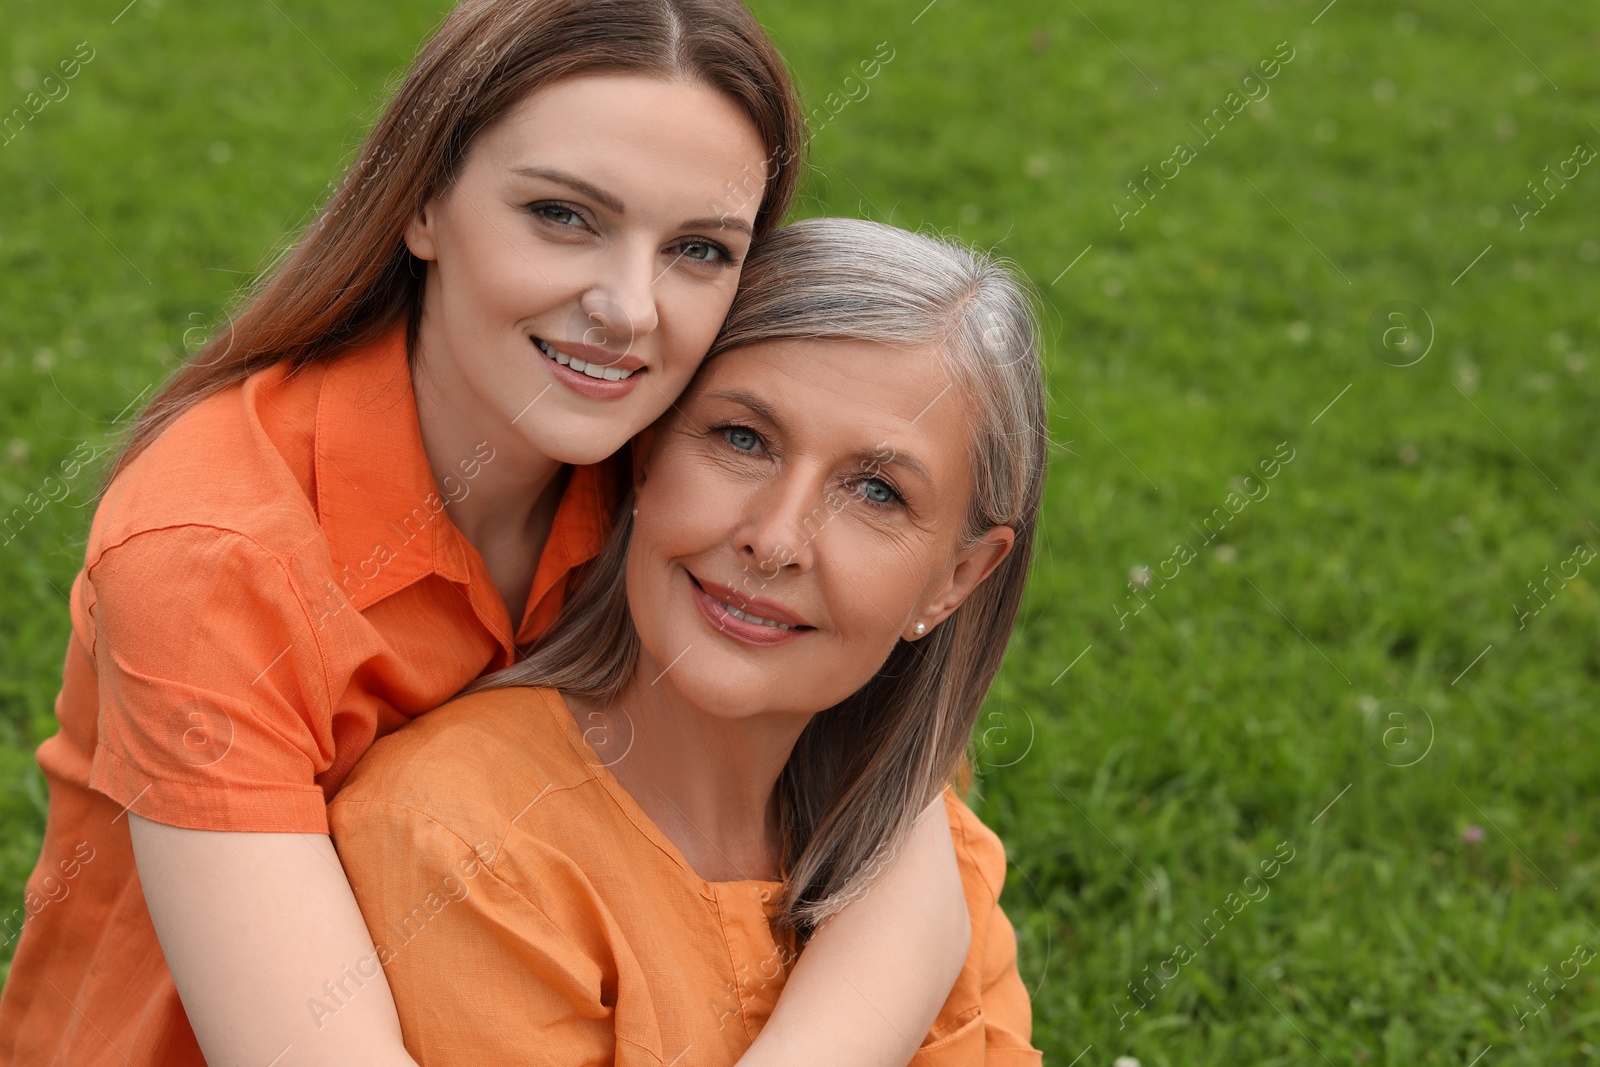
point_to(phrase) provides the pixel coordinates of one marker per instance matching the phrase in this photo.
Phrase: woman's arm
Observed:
(872, 980)
(267, 948)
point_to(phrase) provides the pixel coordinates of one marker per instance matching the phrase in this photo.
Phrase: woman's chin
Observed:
(722, 694)
(740, 692)
(574, 440)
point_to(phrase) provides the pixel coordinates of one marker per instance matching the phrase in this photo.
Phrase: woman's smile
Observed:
(592, 372)
(758, 622)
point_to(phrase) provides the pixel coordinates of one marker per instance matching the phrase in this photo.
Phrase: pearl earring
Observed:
(922, 628)
(636, 511)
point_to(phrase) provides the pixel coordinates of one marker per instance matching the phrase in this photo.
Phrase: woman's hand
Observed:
(267, 948)
(870, 983)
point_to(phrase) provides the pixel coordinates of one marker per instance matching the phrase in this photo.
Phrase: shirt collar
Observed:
(579, 532)
(384, 517)
(380, 510)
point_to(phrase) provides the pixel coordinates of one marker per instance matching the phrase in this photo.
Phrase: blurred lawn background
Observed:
(1352, 674)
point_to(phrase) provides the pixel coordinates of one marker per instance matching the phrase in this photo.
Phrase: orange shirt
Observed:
(272, 585)
(526, 910)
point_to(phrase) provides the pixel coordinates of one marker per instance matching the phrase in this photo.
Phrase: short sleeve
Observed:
(214, 706)
(480, 974)
(1007, 1014)
(988, 1019)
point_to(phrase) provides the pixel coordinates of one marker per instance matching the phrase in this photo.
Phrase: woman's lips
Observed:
(708, 598)
(752, 605)
(585, 384)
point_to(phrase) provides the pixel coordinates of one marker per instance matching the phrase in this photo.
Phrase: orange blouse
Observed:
(526, 910)
(273, 584)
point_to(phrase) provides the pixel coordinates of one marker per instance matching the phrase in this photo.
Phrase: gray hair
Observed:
(864, 769)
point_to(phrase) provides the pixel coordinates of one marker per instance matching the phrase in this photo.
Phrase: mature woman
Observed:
(623, 842)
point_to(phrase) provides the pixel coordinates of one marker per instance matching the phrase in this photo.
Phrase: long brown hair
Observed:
(864, 769)
(350, 277)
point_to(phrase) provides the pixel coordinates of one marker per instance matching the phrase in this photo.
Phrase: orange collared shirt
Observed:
(525, 909)
(267, 589)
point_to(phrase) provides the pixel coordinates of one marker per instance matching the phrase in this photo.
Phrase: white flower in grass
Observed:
(1125, 1061)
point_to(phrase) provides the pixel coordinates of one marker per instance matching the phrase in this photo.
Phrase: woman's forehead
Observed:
(848, 392)
(900, 381)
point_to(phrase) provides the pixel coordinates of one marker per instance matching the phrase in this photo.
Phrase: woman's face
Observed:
(587, 229)
(820, 485)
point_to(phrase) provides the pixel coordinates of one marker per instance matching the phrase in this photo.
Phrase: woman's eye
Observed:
(877, 491)
(742, 438)
(704, 252)
(559, 214)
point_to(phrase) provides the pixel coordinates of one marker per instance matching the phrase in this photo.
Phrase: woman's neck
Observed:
(500, 492)
(708, 781)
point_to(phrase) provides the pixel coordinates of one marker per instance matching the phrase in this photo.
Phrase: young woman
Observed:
(763, 679)
(359, 498)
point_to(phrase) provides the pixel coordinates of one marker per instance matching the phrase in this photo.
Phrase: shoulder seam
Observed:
(965, 847)
(283, 570)
(487, 867)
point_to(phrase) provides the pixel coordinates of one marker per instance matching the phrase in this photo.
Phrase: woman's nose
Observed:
(621, 307)
(781, 524)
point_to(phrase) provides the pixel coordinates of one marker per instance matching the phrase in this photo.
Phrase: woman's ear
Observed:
(972, 566)
(643, 445)
(419, 235)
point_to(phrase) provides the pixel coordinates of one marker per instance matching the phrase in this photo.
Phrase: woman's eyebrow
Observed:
(593, 192)
(612, 204)
(749, 400)
(718, 222)
(905, 461)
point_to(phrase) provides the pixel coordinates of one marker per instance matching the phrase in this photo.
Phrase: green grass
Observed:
(1139, 789)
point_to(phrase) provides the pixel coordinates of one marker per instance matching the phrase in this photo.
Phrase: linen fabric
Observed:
(525, 909)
